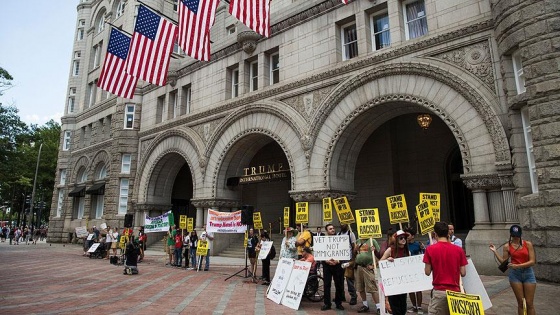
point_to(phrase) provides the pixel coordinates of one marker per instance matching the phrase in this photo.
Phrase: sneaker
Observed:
(325, 307)
(412, 309)
(363, 309)
(340, 307)
(420, 311)
(353, 301)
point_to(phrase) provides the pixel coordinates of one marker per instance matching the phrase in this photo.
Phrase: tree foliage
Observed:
(5, 80)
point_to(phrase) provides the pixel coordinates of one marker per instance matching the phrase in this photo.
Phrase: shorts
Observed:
(252, 254)
(364, 280)
(522, 275)
(113, 245)
(438, 303)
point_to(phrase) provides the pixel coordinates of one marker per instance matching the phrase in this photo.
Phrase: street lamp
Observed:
(35, 182)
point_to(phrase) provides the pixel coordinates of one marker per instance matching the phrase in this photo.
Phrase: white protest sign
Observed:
(280, 280)
(224, 222)
(473, 285)
(336, 247)
(90, 236)
(265, 248)
(404, 275)
(103, 226)
(93, 247)
(81, 231)
(296, 284)
(156, 224)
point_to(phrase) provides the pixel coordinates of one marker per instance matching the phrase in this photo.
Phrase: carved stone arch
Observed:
(100, 8)
(477, 99)
(81, 163)
(180, 141)
(100, 158)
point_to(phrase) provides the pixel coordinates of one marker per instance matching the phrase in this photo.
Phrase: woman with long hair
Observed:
(398, 249)
(521, 276)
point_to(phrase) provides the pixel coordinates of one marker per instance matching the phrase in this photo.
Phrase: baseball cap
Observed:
(515, 230)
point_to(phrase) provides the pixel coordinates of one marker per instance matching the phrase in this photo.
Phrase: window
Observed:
(186, 100)
(82, 175)
(518, 72)
(415, 19)
(175, 7)
(176, 49)
(253, 76)
(76, 67)
(173, 102)
(66, 141)
(160, 109)
(274, 68)
(381, 37)
(529, 148)
(80, 205)
(349, 41)
(126, 161)
(92, 88)
(63, 176)
(97, 54)
(99, 201)
(71, 102)
(234, 83)
(123, 196)
(82, 23)
(77, 54)
(72, 91)
(59, 202)
(101, 23)
(120, 8)
(129, 117)
(102, 172)
(80, 34)
(230, 30)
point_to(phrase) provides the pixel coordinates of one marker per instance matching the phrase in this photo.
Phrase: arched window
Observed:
(82, 176)
(120, 8)
(102, 172)
(100, 22)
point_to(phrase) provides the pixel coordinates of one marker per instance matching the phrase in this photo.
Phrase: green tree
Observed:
(5, 80)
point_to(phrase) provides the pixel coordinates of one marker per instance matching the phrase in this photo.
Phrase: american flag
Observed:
(152, 44)
(253, 13)
(346, 1)
(195, 19)
(113, 78)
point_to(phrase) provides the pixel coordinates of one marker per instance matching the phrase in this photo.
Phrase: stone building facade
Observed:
(328, 103)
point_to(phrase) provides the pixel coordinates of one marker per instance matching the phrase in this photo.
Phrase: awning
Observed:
(78, 191)
(96, 189)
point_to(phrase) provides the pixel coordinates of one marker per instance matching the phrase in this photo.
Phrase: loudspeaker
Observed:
(128, 218)
(247, 215)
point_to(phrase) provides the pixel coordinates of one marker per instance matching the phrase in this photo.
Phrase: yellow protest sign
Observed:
(434, 201)
(343, 210)
(464, 304)
(190, 224)
(368, 223)
(246, 239)
(202, 248)
(398, 211)
(257, 222)
(327, 209)
(182, 222)
(425, 217)
(302, 212)
(123, 241)
(286, 216)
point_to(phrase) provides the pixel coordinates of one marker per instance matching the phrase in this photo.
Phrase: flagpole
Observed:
(158, 12)
(119, 28)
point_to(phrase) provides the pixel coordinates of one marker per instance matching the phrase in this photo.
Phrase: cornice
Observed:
(318, 195)
(213, 202)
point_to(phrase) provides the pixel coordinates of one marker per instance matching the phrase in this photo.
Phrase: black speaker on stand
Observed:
(128, 218)
(247, 215)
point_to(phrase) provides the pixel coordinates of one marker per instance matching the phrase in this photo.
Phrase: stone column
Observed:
(480, 207)
(199, 218)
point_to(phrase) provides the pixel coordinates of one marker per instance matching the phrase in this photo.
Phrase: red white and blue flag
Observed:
(346, 1)
(253, 13)
(113, 78)
(196, 17)
(151, 47)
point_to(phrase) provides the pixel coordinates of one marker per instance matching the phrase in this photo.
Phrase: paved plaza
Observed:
(57, 279)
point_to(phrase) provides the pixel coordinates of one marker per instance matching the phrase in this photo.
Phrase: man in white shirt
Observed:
(207, 236)
(454, 239)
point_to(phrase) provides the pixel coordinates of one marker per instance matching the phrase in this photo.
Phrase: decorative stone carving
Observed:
(206, 130)
(248, 41)
(144, 145)
(482, 181)
(307, 104)
(318, 195)
(210, 203)
(476, 59)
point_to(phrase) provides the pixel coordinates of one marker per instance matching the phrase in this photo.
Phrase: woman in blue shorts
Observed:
(521, 275)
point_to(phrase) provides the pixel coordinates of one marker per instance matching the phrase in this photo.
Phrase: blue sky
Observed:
(36, 39)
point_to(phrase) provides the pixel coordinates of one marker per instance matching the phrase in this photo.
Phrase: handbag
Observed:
(504, 265)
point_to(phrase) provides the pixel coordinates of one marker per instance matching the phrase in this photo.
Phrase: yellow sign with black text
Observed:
(202, 248)
(464, 304)
(182, 222)
(398, 211)
(368, 223)
(434, 201)
(327, 209)
(425, 217)
(286, 217)
(257, 222)
(302, 212)
(190, 224)
(343, 210)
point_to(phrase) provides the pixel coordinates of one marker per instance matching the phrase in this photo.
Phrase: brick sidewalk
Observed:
(57, 279)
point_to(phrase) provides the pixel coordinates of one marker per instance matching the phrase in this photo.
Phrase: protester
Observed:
(288, 247)
(109, 239)
(252, 241)
(521, 276)
(193, 243)
(398, 250)
(266, 261)
(415, 248)
(319, 232)
(445, 262)
(170, 249)
(303, 238)
(143, 240)
(308, 256)
(364, 276)
(332, 270)
(349, 273)
(452, 238)
(177, 250)
(186, 250)
(207, 236)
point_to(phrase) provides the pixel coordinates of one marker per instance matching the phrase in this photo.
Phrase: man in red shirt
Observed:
(447, 262)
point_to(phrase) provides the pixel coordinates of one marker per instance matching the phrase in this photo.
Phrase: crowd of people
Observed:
(180, 246)
(27, 234)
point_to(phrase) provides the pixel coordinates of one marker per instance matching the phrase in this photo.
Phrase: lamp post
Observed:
(35, 182)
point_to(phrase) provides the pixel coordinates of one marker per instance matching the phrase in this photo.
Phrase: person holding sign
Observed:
(332, 270)
(252, 241)
(207, 236)
(445, 262)
(303, 239)
(398, 250)
(364, 276)
(288, 248)
(521, 275)
(266, 261)
(415, 248)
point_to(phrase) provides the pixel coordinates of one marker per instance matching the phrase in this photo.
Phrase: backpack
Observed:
(271, 253)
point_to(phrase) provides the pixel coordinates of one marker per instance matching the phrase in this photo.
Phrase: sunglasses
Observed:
(402, 238)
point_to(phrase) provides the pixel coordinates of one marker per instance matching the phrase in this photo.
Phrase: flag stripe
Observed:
(194, 27)
(253, 13)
